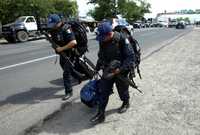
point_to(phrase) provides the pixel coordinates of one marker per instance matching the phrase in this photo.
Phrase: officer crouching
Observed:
(113, 46)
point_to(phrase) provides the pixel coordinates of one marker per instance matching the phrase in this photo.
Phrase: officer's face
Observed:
(108, 37)
(57, 26)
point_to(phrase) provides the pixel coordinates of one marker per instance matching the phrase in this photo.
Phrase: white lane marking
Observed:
(147, 34)
(146, 29)
(27, 62)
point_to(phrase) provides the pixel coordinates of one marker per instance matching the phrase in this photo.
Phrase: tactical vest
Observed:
(111, 51)
(59, 36)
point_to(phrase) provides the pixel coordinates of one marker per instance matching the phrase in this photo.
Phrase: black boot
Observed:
(124, 107)
(98, 118)
(67, 96)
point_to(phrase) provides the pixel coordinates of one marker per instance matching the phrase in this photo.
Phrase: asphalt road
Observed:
(28, 72)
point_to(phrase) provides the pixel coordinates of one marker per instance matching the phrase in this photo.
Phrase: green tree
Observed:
(103, 9)
(130, 10)
(68, 9)
(180, 19)
(127, 8)
(187, 19)
(11, 9)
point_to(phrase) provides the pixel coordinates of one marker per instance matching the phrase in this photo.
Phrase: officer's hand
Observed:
(96, 75)
(59, 49)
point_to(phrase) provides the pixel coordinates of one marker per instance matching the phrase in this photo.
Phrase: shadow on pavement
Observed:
(73, 119)
(112, 111)
(33, 96)
(58, 82)
(36, 95)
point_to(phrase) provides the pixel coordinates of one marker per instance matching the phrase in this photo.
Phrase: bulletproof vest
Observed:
(111, 50)
(59, 36)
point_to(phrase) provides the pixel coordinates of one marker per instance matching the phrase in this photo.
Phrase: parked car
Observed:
(180, 25)
(163, 24)
(147, 25)
(172, 24)
(152, 25)
(20, 30)
(143, 25)
(137, 25)
(197, 23)
(156, 25)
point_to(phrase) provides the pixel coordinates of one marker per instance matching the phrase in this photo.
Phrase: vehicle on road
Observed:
(20, 30)
(137, 25)
(156, 25)
(163, 23)
(181, 25)
(147, 25)
(197, 23)
(172, 23)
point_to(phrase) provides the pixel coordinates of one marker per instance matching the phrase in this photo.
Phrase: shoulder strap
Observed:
(66, 27)
(119, 38)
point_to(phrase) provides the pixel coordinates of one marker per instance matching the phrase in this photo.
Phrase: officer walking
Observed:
(63, 36)
(113, 46)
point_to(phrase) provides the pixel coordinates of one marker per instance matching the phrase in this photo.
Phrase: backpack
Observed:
(80, 35)
(136, 48)
(89, 94)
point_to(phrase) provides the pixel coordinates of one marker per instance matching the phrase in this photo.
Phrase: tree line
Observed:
(130, 9)
(11, 9)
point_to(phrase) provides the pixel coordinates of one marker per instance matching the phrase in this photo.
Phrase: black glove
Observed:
(98, 65)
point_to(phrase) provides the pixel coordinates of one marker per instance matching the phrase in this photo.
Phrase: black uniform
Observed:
(119, 49)
(62, 37)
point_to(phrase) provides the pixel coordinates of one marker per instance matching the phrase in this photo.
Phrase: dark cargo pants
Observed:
(67, 74)
(105, 88)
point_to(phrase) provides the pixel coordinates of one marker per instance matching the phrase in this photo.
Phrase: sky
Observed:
(158, 6)
(83, 7)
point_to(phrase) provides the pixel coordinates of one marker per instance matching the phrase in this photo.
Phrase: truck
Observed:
(21, 29)
(172, 23)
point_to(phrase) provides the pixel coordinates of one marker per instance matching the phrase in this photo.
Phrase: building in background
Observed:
(190, 15)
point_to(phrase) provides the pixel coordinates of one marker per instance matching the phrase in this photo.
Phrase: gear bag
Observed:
(80, 35)
(85, 66)
(135, 45)
(89, 94)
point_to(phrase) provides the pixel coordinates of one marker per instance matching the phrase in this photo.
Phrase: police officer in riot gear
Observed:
(62, 35)
(113, 46)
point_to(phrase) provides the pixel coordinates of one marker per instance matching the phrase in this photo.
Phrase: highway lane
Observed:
(39, 79)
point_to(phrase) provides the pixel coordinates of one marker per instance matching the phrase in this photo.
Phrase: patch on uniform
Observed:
(127, 41)
(69, 31)
(50, 20)
(59, 37)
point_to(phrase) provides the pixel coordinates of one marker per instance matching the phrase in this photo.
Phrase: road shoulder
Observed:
(169, 106)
